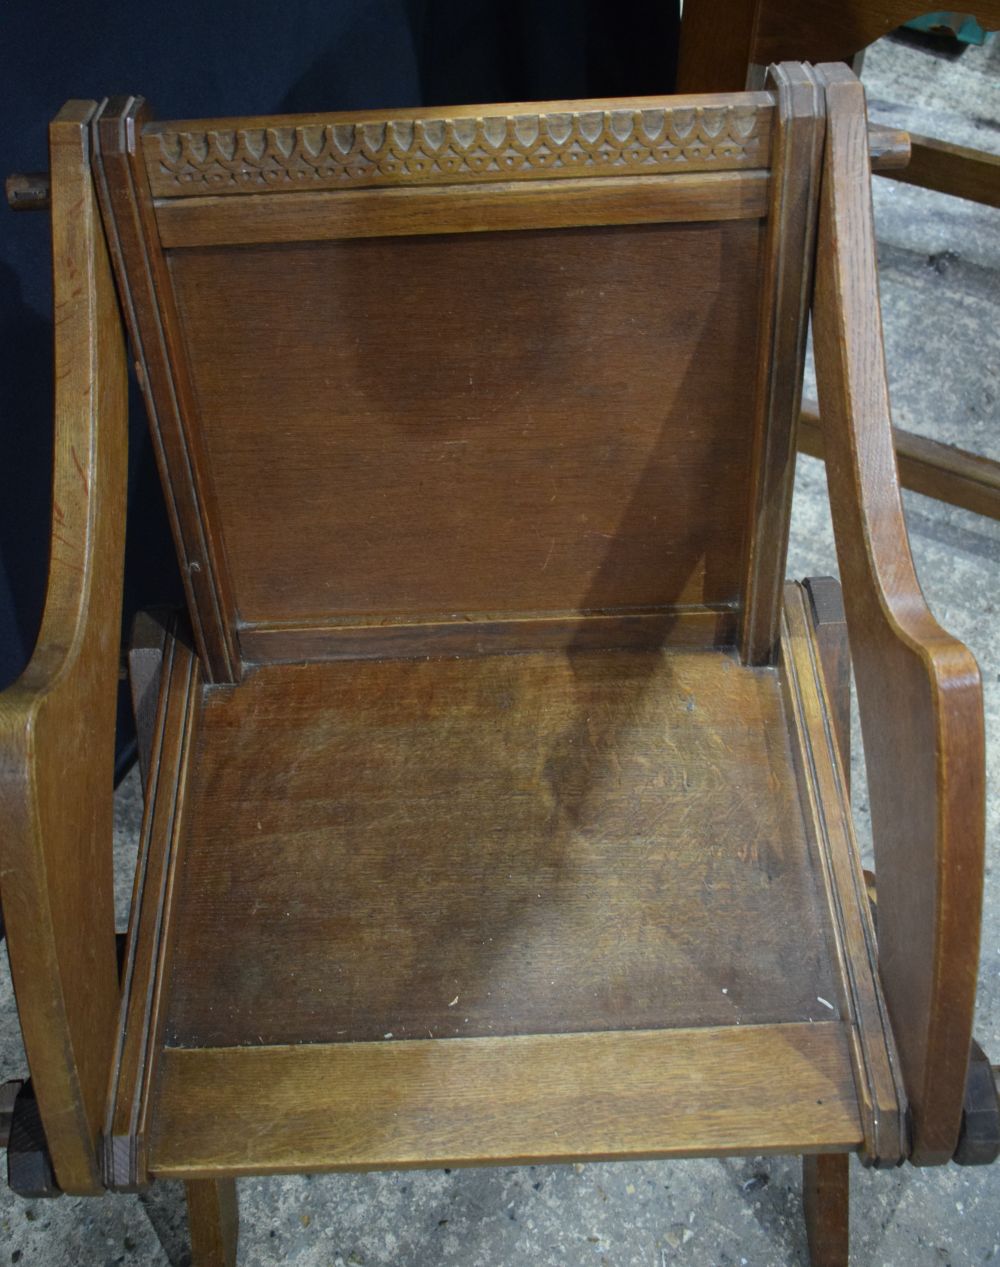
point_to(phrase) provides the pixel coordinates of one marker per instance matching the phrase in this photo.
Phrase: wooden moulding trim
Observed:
(147, 300)
(784, 313)
(279, 644)
(632, 136)
(149, 928)
(542, 204)
(827, 816)
(490, 1101)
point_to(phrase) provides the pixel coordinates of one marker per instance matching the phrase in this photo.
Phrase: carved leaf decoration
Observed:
(618, 142)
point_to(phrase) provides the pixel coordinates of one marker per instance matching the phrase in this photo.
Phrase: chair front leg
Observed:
(214, 1222)
(826, 1197)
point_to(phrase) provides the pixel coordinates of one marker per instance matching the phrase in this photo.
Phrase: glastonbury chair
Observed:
(496, 789)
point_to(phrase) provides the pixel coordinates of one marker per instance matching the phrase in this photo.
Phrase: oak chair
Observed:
(496, 782)
(729, 46)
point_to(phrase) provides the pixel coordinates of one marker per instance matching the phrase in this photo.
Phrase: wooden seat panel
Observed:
(496, 845)
(384, 895)
(389, 889)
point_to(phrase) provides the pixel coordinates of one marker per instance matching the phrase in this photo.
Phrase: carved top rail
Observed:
(642, 136)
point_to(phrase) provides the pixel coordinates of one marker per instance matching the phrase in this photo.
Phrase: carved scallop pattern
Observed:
(336, 155)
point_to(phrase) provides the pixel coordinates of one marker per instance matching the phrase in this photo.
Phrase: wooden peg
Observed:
(28, 191)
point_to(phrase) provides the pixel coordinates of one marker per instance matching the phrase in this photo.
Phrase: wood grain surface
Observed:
(149, 311)
(919, 691)
(952, 169)
(785, 290)
(145, 968)
(486, 633)
(497, 845)
(826, 1196)
(824, 789)
(57, 722)
(492, 1101)
(213, 1221)
(739, 194)
(473, 423)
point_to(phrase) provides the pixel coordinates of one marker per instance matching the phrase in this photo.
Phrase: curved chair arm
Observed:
(919, 691)
(57, 722)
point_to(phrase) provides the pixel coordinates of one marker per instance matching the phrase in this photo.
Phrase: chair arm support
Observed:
(57, 722)
(919, 691)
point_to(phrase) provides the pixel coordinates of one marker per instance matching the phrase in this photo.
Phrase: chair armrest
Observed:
(919, 691)
(57, 722)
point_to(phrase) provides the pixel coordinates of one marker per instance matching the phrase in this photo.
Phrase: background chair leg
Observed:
(213, 1219)
(826, 1194)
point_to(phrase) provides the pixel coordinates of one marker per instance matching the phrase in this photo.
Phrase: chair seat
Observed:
(492, 908)
(512, 844)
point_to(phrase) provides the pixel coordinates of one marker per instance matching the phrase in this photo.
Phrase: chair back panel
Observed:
(478, 423)
(437, 372)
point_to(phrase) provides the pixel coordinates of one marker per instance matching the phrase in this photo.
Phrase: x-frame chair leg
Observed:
(826, 1177)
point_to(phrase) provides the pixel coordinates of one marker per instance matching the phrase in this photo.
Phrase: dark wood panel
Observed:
(499, 845)
(554, 421)
(720, 44)
(834, 30)
(716, 48)
(747, 1089)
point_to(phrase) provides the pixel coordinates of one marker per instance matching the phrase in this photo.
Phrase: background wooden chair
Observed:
(728, 46)
(496, 807)
(724, 47)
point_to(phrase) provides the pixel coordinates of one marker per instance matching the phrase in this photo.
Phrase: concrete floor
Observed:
(940, 261)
